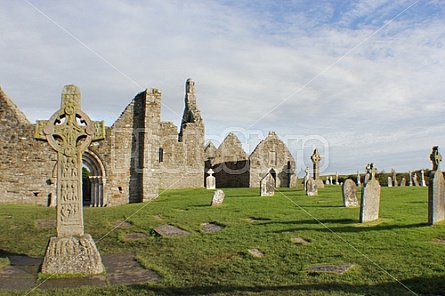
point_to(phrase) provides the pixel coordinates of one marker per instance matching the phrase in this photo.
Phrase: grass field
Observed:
(397, 255)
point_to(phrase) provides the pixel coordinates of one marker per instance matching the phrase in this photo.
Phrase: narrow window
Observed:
(161, 154)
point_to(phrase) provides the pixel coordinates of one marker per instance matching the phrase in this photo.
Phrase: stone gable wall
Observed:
(271, 153)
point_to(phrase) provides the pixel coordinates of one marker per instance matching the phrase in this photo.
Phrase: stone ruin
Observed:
(234, 168)
(140, 155)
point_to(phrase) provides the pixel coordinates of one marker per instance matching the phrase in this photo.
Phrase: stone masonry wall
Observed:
(271, 153)
(26, 164)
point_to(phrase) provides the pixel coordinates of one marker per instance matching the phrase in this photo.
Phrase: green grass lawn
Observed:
(396, 255)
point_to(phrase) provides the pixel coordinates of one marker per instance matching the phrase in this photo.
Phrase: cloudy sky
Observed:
(362, 81)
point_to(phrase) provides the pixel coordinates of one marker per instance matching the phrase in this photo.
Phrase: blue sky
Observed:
(362, 81)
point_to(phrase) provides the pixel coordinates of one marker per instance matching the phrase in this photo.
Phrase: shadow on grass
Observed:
(414, 286)
(354, 225)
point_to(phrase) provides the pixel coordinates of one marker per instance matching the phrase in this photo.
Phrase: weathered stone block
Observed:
(72, 255)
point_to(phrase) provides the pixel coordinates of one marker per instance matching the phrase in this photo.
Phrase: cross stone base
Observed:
(72, 255)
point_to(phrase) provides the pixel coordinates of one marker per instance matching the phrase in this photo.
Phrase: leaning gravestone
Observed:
(415, 180)
(349, 193)
(69, 132)
(370, 205)
(218, 198)
(436, 204)
(311, 187)
(267, 185)
(403, 182)
(210, 180)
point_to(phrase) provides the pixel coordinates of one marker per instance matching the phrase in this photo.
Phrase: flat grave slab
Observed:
(331, 268)
(211, 227)
(121, 224)
(168, 230)
(135, 236)
(122, 269)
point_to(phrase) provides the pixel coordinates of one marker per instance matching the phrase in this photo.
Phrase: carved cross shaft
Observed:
(316, 160)
(69, 132)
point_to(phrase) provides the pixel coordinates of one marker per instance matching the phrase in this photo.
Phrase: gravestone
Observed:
(210, 180)
(389, 182)
(403, 182)
(267, 185)
(349, 190)
(415, 180)
(316, 158)
(423, 183)
(358, 179)
(410, 182)
(327, 180)
(306, 176)
(394, 177)
(336, 179)
(311, 187)
(368, 169)
(436, 211)
(69, 132)
(218, 198)
(370, 205)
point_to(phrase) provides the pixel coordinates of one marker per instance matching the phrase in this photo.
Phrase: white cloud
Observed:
(274, 65)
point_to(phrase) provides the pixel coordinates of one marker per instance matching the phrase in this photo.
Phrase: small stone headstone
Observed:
(218, 198)
(415, 180)
(210, 180)
(349, 193)
(311, 187)
(170, 231)
(403, 182)
(267, 185)
(370, 205)
(436, 189)
(389, 182)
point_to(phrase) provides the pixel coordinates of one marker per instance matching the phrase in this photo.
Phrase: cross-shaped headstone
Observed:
(435, 157)
(316, 161)
(69, 132)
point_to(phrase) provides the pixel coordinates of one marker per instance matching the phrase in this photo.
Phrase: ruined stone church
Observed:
(140, 155)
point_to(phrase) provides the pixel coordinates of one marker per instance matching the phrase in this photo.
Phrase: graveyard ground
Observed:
(397, 255)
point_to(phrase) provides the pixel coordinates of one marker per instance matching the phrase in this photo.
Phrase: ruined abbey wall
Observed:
(26, 165)
(140, 155)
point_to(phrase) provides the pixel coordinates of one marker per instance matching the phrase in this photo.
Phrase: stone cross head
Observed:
(435, 157)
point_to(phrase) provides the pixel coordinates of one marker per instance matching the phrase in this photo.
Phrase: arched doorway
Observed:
(94, 179)
(273, 173)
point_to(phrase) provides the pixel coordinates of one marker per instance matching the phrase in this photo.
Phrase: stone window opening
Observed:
(161, 154)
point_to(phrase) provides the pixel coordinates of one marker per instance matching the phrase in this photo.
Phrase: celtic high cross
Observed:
(316, 163)
(69, 132)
